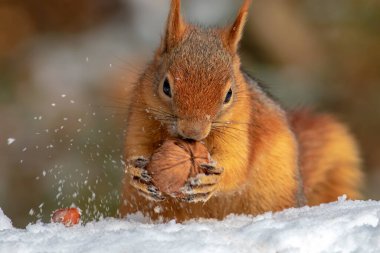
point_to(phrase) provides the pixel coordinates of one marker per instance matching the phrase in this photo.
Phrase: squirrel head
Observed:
(192, 80)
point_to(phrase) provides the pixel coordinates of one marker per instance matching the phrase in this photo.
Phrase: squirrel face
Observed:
(198, 83)
(194, 82)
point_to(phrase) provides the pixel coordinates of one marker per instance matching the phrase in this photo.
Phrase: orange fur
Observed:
(255, 143)
(329, 158)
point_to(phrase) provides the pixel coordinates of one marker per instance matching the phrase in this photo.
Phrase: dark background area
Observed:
(65, 66)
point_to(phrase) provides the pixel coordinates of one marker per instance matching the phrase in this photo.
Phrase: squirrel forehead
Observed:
(201, 55)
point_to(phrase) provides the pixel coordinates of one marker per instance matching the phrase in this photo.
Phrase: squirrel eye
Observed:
(228, 97)
(166, 88)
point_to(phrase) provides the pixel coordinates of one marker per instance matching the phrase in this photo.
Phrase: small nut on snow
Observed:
(66, 216)
(174, 162)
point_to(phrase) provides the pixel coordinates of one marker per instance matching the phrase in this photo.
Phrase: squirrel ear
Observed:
(234, 33)
(175, 27)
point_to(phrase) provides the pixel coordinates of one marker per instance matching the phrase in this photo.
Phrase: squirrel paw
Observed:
(203, 186)
(141, 180)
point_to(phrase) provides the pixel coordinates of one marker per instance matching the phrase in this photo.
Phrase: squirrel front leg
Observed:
(140, 145)
(227, 173)
(141, 180)
(202, 187)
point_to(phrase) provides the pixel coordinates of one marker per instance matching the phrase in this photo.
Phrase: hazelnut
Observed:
(174, 162)
(66, 216)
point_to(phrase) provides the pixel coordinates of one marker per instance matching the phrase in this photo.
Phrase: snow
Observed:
(343, 226)
(10, 141)
(5, 223)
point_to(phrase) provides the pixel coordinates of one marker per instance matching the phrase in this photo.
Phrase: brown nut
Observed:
(174, 162)
(66, 216)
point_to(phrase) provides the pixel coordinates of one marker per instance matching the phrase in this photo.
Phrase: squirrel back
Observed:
(195, 89)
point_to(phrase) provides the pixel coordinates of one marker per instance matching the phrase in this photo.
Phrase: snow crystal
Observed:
(343, 226)
(5, 223)
(11, 140)
(157, 209)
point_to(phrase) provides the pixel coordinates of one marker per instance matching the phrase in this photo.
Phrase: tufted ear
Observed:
(175, 27)
(233, 34)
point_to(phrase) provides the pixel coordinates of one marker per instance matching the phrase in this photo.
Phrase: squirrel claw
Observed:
(211, 168)
(200, 188)
(140, 162)
(142, 181)
(137, 173)
(152, 197)
(149, 191)
(196, 198)
(203, 180)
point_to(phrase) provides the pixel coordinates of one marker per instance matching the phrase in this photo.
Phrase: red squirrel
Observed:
(267, 159)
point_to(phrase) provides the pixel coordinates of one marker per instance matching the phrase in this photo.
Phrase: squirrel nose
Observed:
(193, 130)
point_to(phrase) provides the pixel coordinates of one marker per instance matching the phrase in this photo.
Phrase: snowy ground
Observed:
(343, 226)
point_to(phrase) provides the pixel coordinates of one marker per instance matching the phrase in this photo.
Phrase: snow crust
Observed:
(343, 226)
(5, 222)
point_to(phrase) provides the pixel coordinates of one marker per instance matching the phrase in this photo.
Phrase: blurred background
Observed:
(65, 66)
